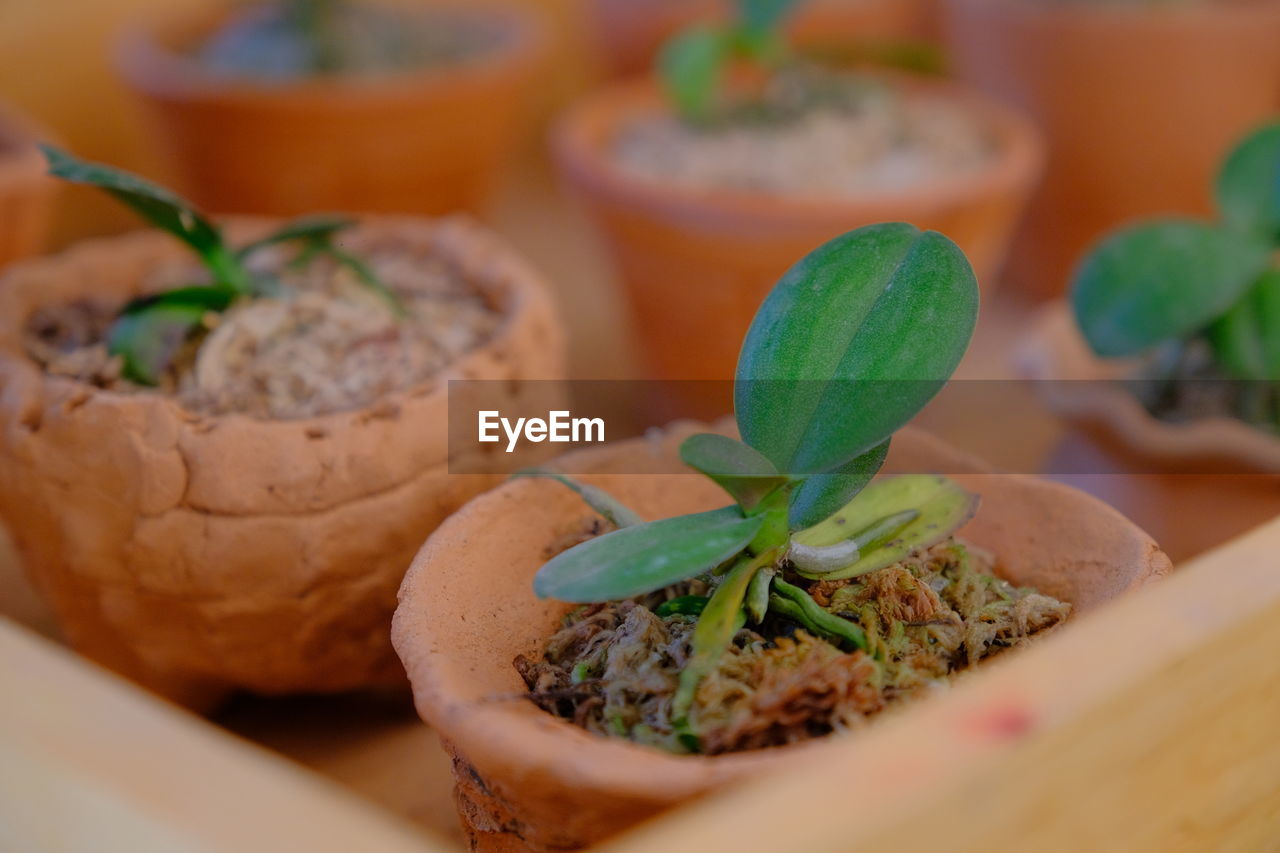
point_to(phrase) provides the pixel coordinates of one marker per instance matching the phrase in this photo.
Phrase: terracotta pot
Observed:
(1194, 485)
(196, 554)
(26, 191)
(697, 263)
(467, 610)
(420, 142)
(1139, 103)
(628, 33)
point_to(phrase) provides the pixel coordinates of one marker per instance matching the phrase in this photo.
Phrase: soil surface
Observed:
(811, 132)
(325, 343)
(1183, 382)
(614, 668)
(289, 39)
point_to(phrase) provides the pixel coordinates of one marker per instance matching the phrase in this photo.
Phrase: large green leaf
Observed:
(640, 559)
(162, 208)
(823, 494)
(1246, 339)
(851, 344)
(691, 66)
(1162, 280)
(762, 15)
(741, 470)
(1249, 184)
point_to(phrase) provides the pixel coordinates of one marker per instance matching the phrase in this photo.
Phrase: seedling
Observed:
(849, 346)
(694, 64)
(1173, 281)
(151, 329)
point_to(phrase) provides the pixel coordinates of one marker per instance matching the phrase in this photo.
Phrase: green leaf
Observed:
(151, 330)
(1246, 340)
(1154, 282)
(821, 495)
(763, 15)
(1248, 187)
(943, 506)
(598, 499)
(691, 66)
(640, 559)
(687, 605)
(853, 341)
(308, 228)
(163, 208)
(740, 470)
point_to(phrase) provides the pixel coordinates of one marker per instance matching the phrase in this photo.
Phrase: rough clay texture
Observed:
(202, 554)
(527, 780)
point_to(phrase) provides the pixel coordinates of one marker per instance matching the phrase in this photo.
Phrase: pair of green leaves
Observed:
(693, 64)
(1171, 279)
(151, 330)
(848, 347)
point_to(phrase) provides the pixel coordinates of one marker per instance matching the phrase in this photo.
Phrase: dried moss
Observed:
(614, 668)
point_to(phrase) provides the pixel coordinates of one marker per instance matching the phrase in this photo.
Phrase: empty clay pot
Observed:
(197, 554)
(1139, 102)
(26, 192)
(421, 142)
(627, 34)
(1193, 485)
(467, 609)
(697, 263)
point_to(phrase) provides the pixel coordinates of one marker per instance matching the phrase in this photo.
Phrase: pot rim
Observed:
(144, 58)
(522, 283)
(1055, 351)
(485, 731)
(1226, 15)
(579, 140)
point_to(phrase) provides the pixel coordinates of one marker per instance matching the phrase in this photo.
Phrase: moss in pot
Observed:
(816, 600)
(1197, 302)
(220, 450)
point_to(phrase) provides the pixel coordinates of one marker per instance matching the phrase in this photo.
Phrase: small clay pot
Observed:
(467, 609)
(628, 34)
(698, 262)
(1194, 485)
(1139, 103)
(197, 554)
(427, 142)
(26, 191)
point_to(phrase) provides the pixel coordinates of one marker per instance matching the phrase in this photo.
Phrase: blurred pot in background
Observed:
(702, 222)
(26, 192)
(302, 105)
(1138, 102)
(628, 33)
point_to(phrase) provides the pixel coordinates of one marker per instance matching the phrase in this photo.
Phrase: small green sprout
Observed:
(152, 329)
(849, 346)
(694, 63)
(1176, 279)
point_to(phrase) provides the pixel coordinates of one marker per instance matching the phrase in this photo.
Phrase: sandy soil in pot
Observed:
(200, 553)
(526, 777)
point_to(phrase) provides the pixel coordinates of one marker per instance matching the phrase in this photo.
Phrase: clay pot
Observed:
(627, 34)
(697, 262)
(1139, 103)
(197, 554)
(1194, 485)
(467, 610)
(26, 191)
(421, 142)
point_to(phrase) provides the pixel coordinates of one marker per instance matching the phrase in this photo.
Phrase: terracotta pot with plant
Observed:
(219, 452)
(26, 192)
(639, 650)
(1172, 360)
(1139, 101)
(290, 106)
(706, 189)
